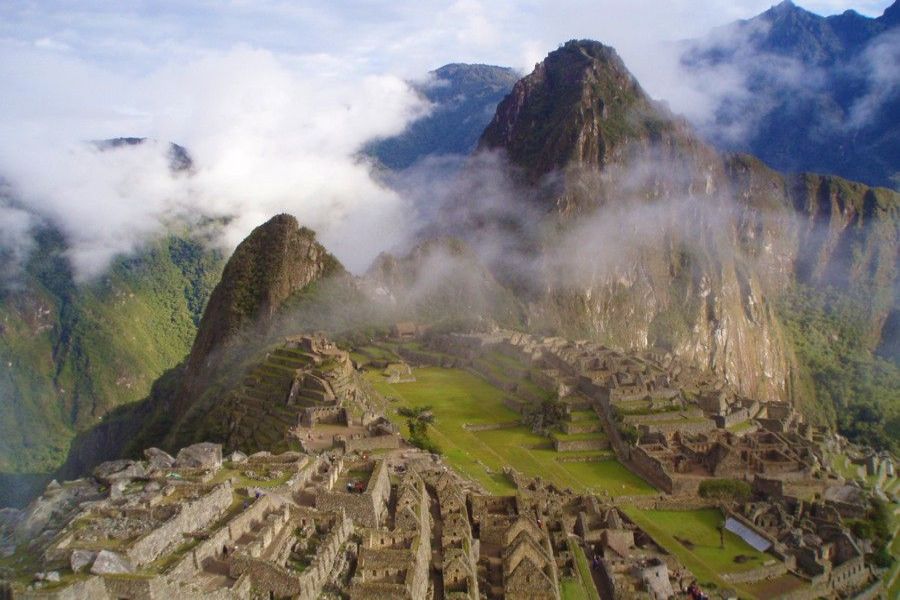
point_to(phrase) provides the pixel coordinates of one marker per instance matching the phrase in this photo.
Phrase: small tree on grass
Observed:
(725, 489)
(630, 434)
(545, 416)
(417, 420)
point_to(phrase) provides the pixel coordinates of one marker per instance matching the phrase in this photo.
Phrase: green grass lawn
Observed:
(577, 437)
(572, 589)
(578, 416)
(457, 398)
(585, 579)
(705, 559)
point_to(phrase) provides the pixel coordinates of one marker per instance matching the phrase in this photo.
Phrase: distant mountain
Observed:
(71, 352)
(819, 94)
(627, 228)
(179, 158)
(659, 240)
(464, 98)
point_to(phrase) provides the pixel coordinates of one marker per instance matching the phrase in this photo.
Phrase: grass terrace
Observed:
(459, 398)
(582, 585)
(693, 537)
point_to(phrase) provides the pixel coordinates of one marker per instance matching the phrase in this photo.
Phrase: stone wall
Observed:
(192, 562)
(580, 445)
(366, 509)
(92, 588)
(650, 469)
(765, 572)
(364, 444)
(194, 515)
(732, 418)
(685, 427)
(581, 426)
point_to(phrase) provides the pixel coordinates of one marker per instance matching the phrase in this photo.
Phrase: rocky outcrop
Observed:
(657, 240)
(110, 563)
(278, 259)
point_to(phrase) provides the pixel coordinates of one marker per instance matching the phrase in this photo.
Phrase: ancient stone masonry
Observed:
(307, 380)
(365, 502)
(359, 515)
(395, 562)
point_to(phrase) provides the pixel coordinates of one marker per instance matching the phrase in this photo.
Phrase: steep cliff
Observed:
(276, 260)
(72, 352)
(659, 240)
(463, 99)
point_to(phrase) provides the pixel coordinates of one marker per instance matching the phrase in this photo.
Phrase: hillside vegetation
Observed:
(72, 352)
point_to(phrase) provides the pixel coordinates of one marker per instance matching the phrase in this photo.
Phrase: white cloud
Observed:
(274, 99)
(267, 137)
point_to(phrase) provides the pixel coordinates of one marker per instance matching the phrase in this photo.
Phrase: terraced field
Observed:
(460, 399)
(693, 537)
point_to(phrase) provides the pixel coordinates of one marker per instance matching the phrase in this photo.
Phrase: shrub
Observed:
(725, 489)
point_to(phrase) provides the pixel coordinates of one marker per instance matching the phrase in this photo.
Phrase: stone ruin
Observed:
(809, 538)
(307, 380)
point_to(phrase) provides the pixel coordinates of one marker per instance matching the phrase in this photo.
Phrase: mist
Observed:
(275, 103)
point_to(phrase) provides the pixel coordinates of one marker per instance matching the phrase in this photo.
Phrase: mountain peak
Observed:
(891, 15)
(580, 104)
(276, 260)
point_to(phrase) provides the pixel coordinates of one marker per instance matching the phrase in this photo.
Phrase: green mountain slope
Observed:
(73, 352)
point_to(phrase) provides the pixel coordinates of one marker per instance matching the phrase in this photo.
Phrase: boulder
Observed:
(118, 470)
(204, 455)
(159, 459)
(110, 563)
(237, 457)
(81, 559)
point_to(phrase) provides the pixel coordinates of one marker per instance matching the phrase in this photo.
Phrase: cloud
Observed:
(16, 242)
(274, 99)
(266, 137)
(878, 63)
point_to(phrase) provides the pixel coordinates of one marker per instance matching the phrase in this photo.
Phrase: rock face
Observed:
(204, 455)
(277, 259)
(463, 99)
(110, 563)
(159, 459)
(81, 559)
(119, 470)
(659, 241)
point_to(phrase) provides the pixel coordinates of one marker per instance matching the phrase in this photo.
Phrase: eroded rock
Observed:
(110, 563)
(204, 455)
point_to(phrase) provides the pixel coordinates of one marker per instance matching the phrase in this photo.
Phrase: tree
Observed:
(417, 421)
(546, 415)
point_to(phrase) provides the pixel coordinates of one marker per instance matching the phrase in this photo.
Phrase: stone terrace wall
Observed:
(650, 469)
(193, 562)
(193, 515)
(759, 573)
(580, 445)
(366, 509)
(92, 588)
(687, 427)
(378, 442)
